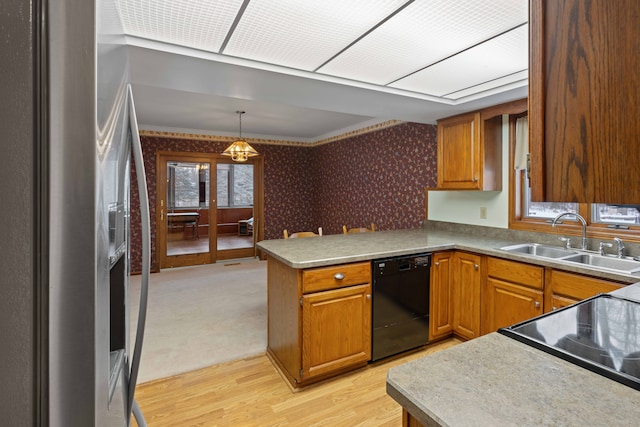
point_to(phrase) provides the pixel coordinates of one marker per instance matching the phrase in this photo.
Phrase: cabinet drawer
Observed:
(516, 272)
(336, 276)
(579, 287)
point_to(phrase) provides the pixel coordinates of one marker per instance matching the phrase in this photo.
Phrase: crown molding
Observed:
(230, 139)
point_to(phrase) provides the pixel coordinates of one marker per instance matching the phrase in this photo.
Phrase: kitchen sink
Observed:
(623, 265)
(536, 249)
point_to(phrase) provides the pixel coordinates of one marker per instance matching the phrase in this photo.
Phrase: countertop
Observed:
(345, 248)
(497, 381)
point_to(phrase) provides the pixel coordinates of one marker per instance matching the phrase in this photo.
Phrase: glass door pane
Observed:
(235, 194)
(187, 208)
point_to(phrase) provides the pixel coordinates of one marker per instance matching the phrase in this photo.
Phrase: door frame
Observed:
(161, 220)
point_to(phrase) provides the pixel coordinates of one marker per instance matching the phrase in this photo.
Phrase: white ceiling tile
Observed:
(424, 33)
(498, 57)
(200, 24)
(303, 34)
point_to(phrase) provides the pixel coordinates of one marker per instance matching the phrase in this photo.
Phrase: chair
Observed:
(346, 230)
(300, 234)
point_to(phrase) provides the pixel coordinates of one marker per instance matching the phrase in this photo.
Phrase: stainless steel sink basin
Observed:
(623, 265)
(536, 249)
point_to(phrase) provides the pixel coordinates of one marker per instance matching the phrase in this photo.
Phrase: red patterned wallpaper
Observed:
(376, 177)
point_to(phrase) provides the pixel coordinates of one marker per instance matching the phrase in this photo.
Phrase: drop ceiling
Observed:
(306, 70)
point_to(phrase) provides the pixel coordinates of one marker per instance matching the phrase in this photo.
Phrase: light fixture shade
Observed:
(240, 151)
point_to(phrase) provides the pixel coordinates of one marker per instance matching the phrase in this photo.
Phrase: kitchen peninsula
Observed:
(319, 289)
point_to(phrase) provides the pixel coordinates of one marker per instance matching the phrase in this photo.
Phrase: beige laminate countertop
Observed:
(345, 248)
(497, 381)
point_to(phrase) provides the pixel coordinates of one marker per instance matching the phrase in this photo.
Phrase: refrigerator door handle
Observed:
(136, 148)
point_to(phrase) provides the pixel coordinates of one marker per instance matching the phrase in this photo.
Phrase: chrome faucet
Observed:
(620, 246)
(578, 217)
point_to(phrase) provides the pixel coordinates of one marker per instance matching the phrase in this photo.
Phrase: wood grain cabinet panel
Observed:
(441, 295)
(467, 294)
(470, 150)
(584, 88)
(336, 329)
(513, 292)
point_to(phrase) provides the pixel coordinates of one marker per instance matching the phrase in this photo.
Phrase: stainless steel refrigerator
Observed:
(69, 147)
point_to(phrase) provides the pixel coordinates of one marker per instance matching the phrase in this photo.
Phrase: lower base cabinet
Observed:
(513, 292)
(319, 319)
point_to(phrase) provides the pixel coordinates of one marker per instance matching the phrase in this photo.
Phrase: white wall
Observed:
(464, 206)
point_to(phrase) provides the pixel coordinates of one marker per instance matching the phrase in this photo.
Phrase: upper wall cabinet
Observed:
(584, 94)
(470, 148)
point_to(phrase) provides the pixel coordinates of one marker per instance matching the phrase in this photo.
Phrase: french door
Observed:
(207, 208)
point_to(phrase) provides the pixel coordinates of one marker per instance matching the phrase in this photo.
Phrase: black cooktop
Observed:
(601, 334)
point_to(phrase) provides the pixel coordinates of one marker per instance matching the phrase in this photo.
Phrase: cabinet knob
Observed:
(338, 276)
(438, 264)
(369, 297)
(476, 266)
(536, 304)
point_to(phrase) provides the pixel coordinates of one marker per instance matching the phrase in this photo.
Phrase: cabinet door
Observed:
(466, 295)
(441, 301)
(584, 87)
(336, 329)
(507, 303)
(459, 153)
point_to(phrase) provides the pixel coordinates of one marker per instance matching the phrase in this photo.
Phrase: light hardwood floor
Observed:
(250, 392)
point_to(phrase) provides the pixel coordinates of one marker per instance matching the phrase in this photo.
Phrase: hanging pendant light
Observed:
(240, 150)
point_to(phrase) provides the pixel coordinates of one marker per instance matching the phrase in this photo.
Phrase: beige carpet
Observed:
(201, 316)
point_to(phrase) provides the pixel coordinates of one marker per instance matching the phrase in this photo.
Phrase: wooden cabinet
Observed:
(469, 152)
(441, 295)
(467, 294)
(564, 288)
(336, 329)
(513, 292)
(584, 87)
(319, 319)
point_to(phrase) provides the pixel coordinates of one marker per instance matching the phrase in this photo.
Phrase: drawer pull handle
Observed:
(338, 276)
(536, 304)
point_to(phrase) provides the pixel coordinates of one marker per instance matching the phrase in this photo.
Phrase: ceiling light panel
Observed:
(518, 79)
(496, 58)
(424, 33)
(201, 24)
(303, 34)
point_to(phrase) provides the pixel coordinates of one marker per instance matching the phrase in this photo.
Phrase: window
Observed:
(188, 185)
(235, 185)
(543, 210)
(610, 214)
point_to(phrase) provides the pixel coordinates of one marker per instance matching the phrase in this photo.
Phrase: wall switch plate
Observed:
(483, 212)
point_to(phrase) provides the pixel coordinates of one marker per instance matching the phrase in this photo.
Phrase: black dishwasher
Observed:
(400, 312)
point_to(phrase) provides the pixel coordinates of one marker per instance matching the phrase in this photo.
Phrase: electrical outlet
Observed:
(483, 212)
